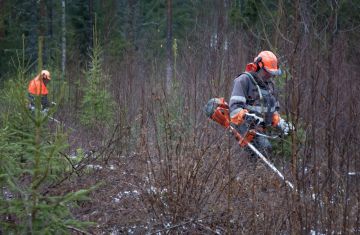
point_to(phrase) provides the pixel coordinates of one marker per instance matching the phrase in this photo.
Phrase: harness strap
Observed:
(252, 79)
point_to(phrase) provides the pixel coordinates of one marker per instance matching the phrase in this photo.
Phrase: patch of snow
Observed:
(312, 232)
(73, 156)
(95, 167)
(7, 195)
(115, 231)
(126, 194)
(147, 179)
(89, 153)
(152, 189)
(218, 231)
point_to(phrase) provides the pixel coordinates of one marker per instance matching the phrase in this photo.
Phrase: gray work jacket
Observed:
(246, 95)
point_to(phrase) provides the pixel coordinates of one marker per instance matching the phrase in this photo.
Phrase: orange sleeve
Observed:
(30, 87)
(238, 118)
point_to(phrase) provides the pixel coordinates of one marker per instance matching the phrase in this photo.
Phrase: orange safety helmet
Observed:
(46, 73)
(268, 61)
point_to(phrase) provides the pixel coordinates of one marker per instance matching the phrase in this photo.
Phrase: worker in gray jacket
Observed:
(253, 102)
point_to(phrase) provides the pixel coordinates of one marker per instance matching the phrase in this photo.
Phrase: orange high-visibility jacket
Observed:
(37, 87)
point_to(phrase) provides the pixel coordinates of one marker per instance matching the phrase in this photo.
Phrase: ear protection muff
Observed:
(258, 63)
(44, 76)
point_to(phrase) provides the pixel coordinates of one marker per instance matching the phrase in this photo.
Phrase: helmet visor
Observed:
(273, 72)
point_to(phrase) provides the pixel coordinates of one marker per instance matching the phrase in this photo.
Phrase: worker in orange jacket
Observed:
(253, 103)
(37, 88)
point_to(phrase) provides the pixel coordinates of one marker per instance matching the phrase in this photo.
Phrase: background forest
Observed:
(128, 148)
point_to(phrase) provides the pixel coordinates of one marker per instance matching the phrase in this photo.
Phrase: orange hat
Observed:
(46, 73)
(268, 61)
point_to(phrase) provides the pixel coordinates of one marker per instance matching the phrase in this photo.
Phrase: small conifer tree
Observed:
(97, 104)
(31, 161)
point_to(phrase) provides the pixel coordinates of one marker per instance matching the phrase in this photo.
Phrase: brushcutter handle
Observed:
(253, 118)
(243, 137)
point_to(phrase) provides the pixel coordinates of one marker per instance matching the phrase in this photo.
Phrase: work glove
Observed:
(285, 127)
(252, 119)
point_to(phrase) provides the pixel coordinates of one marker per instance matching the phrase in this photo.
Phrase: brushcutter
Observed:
(218, 110)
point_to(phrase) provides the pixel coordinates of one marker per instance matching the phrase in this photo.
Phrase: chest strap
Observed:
(252, 79)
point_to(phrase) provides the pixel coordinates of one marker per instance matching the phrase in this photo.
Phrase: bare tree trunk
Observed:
(63, 38)
(51, 19)
(169, 51)
(41, 29)
(131, 55)
(91, 23)
(2, 26)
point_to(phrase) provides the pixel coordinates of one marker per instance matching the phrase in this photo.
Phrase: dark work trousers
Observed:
(44, 101)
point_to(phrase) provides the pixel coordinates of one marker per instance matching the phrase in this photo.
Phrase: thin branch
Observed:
(207, 228)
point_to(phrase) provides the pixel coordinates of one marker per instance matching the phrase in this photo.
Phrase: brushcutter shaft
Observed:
(260, 155)
(267, 136)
